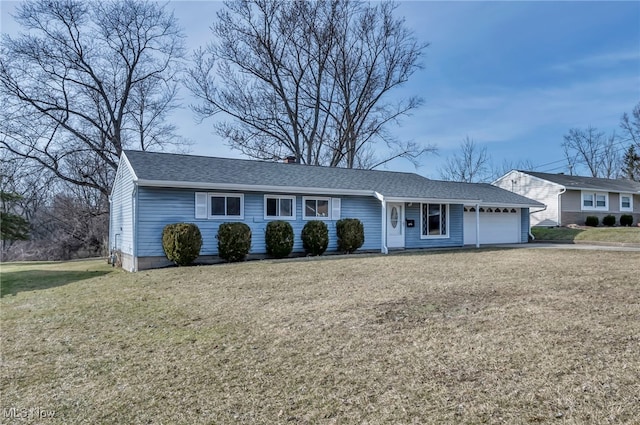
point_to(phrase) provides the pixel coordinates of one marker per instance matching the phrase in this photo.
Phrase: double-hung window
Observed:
(595, 201)
(435, 223)
(283, 207)
(626, 202)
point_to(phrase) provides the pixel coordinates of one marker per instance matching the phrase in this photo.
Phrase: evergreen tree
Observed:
(631, 164)
(13, 226)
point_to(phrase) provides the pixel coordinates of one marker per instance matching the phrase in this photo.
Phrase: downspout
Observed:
(477, 225)
(111, 237)
(134, 225)
(533, 238)
(384, 249)
(564, 189)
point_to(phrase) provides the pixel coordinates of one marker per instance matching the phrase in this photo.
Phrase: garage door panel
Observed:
(495, 228)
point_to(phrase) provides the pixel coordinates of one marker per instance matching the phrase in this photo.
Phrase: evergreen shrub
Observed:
(181, 242)
(609, 220)
(234, 241)
(592, 221)
(350, 232)
(279, 238)
(315, 237)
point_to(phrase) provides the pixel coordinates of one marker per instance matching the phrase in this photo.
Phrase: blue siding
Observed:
(524, 225)
(412, 237)
(159, 207)
(121, 211)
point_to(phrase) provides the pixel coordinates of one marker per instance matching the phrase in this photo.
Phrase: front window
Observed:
(316, 208)
(279, 206)
(595, 201)
(434, 220)
(626, 203)
(225, 205)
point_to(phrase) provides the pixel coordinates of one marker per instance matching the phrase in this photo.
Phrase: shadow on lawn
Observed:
(33, 280)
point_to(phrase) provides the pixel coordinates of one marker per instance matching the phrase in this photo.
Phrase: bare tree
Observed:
(506, 166)
(593, 150)
(470, 165)
(631, 126)
(87, 80)
(631, 134)
(308, 79)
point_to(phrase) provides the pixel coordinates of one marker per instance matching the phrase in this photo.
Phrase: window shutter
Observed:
(335, 208)
(201, 205)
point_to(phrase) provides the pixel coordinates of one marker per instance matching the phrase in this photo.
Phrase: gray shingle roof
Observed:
(579, 182)
(176, 169)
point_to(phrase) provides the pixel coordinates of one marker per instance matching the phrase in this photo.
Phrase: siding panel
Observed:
(121, 211)
(159, 207)
(412, 237)
(538, 189)
(524, 225)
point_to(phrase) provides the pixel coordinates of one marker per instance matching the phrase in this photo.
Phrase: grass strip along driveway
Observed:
(486, 336)
(621, 235)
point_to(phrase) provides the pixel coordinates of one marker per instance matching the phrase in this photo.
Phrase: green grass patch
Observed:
(32, 276)
(588, 234)
(470, 336)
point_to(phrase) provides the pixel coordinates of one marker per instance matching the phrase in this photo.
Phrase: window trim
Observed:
(316, 198)
(594, 195)
(630, 207)
(294, 208)
(210, 195)
(448, 222)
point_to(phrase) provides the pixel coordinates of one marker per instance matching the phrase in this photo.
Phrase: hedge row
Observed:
(182, 241)
(609, 220)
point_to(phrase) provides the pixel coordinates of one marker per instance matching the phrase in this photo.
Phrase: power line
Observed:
(622, 147)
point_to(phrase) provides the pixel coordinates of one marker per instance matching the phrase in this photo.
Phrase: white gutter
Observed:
(564, 189)
(379, 197)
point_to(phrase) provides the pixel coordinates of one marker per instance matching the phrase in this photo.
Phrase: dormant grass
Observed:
(487, 336)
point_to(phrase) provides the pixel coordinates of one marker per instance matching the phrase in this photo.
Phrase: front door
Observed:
(395, 228)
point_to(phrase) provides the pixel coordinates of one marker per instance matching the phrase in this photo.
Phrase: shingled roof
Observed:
(595, 183)
(176, 170)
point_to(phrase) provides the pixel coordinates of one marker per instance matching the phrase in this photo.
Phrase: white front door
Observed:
(395, 228)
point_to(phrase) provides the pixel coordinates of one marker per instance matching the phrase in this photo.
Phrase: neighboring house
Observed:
(570, 199)
(398, 210)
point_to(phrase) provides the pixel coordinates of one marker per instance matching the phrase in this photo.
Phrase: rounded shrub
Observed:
(350, 233)
(592, 221)
(609, 220)
(315, 237)
(279, 238)
(234, 241)
(181, 242)
(626, 220)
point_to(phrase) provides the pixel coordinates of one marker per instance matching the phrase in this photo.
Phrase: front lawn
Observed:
(471, 336)
(588, 234)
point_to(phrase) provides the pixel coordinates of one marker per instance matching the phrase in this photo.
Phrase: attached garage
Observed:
(497, 225)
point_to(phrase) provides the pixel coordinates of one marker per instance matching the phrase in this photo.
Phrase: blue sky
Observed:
(513, 76)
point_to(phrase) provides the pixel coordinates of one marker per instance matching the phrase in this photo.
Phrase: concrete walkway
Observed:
(585, 246)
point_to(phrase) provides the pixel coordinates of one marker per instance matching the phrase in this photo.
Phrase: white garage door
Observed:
(497, 225)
